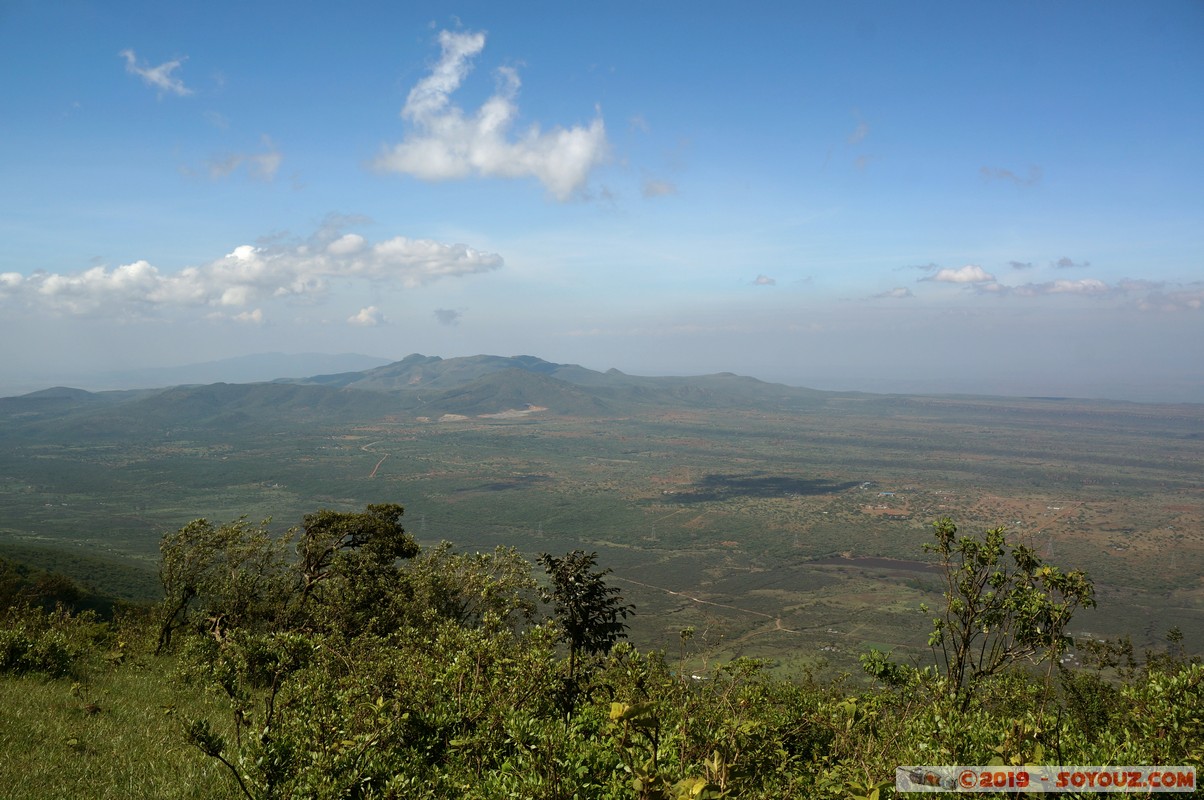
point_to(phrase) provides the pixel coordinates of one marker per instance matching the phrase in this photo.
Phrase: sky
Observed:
(931, 197)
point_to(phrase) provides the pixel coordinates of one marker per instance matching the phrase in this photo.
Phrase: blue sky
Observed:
(940, 197)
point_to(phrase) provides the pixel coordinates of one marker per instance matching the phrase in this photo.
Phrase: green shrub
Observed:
(56, 642)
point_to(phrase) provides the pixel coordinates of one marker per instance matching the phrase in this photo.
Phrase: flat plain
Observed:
(788, 531)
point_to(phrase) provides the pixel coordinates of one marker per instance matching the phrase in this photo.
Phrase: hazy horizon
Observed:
(925, 198)
(258, 367)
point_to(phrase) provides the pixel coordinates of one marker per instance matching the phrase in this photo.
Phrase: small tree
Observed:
(236, 572)
(589, 611)
(474, 590)
(374, 535)
(347, 561)
(1002, 605)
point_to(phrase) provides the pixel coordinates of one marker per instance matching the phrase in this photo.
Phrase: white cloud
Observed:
(764, 280)
(246, 275)
(368, 317)
(971, 273)
(346, 245)
(1145, 295)
(1085, 286)
(254, 317)
(899, 292)
(159, 77)
(444, 143)
(261, 166)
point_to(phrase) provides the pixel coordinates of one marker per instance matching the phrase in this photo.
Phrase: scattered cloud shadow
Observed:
(517, 482)
(719, 487)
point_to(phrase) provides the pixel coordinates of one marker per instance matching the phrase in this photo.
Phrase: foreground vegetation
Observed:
(342, 660)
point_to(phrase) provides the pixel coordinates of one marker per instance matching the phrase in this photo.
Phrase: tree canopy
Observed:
(590, 612)
(340, 660)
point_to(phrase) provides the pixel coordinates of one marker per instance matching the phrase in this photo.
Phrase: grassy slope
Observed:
(132, 747)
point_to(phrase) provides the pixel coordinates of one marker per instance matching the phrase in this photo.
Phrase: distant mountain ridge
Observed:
(420, 387)
(435, 389)
(433, 372)
(475, 385)
(416, 386)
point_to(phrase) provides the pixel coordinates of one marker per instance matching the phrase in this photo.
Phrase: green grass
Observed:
(55, 746)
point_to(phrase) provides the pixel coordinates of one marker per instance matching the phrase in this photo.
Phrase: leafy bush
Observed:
(55, 642)
(428, 679)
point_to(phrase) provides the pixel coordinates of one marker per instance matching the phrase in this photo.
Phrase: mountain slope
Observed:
(417, 385)
(516, 389)
(219, 406)
(419, 372)
(596, 392)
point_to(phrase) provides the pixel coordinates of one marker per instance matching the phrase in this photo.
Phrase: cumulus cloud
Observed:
(1142, 294)
(1091, 287)
(346, 245)
(254, 317)
(10, 281)
(1088, 286)
(445, 143)
(368, 317)
(260, 166)
(247, 275)
(995, 173)
(764, 280)
(1020, 264)
(1067, 263)
(897, 293)
(971, 273)
(447, 316)
(159, 77)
